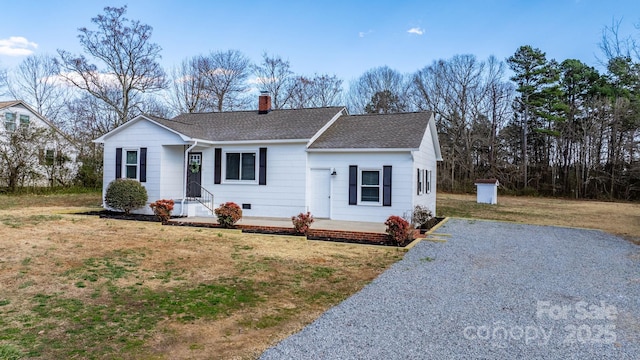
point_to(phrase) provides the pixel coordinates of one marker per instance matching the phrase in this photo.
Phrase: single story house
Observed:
(278, 163)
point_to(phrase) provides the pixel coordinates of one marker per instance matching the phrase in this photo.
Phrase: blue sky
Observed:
(345, 38)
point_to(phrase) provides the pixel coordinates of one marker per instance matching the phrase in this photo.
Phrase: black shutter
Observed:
(353, 185)
(143, 165)
(418, 184)
(118, 163)
(217, 166)
(262, 175)
(386, 186)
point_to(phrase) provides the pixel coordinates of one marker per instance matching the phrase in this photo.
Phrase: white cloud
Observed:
(364, 33)
(261, 80)
(17, 46)
(416, 30)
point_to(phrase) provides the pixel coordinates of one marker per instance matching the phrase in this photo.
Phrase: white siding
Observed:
(425, 158)
(401, 199)
(60, 145)
(284, 194)
(171, 171)
(161, 160)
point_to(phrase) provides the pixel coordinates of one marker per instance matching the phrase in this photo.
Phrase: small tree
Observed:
(125, 195)
(228, 214)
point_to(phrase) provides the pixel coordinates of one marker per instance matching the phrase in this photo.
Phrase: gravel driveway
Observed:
(492, 291)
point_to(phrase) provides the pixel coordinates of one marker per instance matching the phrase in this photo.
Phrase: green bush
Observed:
(228, 214)
(90, 173)
(125, 195)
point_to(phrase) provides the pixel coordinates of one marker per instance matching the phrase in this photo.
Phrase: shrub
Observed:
(228, 214)
(162, 208)
(399, 230)
(421, 216)
(125, 195)
(302, 222)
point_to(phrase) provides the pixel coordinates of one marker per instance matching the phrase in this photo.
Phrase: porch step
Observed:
(194, 208)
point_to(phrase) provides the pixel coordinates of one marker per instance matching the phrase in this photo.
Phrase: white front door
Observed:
(320, 193)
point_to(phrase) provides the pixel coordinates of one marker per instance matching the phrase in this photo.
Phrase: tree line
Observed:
(538, 125)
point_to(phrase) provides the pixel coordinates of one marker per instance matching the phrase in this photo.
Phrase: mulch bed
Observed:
(428, 226)
(108, 214)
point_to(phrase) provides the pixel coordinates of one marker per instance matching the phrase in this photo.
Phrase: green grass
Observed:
(116, 265)
(57, 197)
(127, 316)
(9, 352)
(20, 221)
(58, 326)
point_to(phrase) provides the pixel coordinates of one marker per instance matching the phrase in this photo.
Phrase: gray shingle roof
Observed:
(392, 131)
(251, 126)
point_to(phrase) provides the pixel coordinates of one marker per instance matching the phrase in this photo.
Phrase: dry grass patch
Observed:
(79, 286)
(619, 218)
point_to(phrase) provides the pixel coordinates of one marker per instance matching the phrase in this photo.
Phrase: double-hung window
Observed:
(10, 121)
(24, 121)
(240, 166)
(370, 186)
(131, 164)
(420, 185)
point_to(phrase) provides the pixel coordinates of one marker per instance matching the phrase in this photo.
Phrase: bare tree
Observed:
(327, 91)
(381, 81)
(319, 91)
(302, 93)
(36, 81)
(3, 81)
(187, 87)
(274, 75)
(615, 45)
(497, 105)
(225, 74)
(129, 63)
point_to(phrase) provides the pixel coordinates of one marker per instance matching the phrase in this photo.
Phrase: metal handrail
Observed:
(206, 197)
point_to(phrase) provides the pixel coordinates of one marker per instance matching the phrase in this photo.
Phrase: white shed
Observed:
(487, 191)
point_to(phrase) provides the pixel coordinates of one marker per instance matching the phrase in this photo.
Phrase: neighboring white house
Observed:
(282, 162)
(54, 156)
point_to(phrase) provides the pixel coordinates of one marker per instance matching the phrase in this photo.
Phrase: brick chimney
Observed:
(264, 103)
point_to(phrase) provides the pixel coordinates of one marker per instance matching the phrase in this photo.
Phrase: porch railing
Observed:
(205, 198)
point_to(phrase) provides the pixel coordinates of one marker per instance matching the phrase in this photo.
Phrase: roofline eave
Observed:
(361, 150)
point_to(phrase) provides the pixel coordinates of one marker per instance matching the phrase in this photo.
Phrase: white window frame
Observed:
(360, 185)
(125, 163)
(428, 181)
(420, 185)
(13, 122)
(240, 181)
(24, 123)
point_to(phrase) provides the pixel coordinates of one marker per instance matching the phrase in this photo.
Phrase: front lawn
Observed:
(77, 286)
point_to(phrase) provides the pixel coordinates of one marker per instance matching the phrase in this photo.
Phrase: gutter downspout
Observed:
(184, 179)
